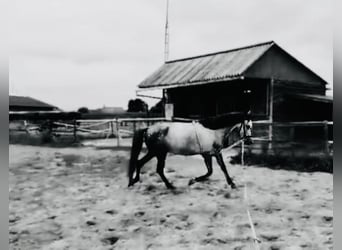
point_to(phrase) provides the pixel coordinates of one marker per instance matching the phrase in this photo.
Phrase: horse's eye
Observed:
(248, 126)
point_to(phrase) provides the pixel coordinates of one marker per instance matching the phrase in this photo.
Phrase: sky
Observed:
(75, 53)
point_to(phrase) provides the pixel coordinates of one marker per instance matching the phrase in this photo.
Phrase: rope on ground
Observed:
(254, 235)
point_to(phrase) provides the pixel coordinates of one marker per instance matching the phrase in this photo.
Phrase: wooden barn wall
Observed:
(299, 139)
(291, 109)
(276, 63)
(214, 99)
(286, 108)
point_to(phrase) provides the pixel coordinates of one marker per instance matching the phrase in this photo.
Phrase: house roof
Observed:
(25, 101)
(221, 66)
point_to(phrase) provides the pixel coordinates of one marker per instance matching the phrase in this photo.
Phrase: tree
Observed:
(158, 108)
(137, 105)
(83, 110)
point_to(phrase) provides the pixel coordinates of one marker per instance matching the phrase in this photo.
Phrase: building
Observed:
(25, 103)
(281, 88)
(109, 110)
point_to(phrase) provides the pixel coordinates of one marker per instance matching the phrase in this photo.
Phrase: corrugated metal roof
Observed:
(224, 65)
(25, 101)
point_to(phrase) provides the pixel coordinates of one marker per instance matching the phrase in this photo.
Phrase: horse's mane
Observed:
(223, 121)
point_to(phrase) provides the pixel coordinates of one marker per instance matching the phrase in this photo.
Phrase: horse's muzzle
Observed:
(248, 140)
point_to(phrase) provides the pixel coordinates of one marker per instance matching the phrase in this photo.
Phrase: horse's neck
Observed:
(227, 130)
(222, 133)
(227, 134)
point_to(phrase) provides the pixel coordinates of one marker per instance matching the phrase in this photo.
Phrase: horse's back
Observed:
(181, 138)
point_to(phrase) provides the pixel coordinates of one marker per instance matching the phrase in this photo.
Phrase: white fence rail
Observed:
(125, 127)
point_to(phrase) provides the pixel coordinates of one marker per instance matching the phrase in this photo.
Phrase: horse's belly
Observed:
(187, 146)
(183, 150)
(186, 139)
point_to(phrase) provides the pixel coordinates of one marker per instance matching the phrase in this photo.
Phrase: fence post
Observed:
(326, 137)
(242, 153)
(50, 128)
(49, 131)
(270, 127)
(26, 127)
(112, 129)
(118, 132)
(75, 131)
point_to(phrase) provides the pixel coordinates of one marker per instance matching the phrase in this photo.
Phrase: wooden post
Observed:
(270, 127)
(112, 129)
(75, 131)
(49, 130)
(242, 153)
(326, 137)
(118, 132)
(26, 127)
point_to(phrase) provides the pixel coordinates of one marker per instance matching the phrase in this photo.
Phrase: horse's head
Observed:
(246, 131)
(240, 131)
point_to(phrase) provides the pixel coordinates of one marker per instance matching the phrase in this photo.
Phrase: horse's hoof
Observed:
(233, 186)
(171, 187)
(191, 181)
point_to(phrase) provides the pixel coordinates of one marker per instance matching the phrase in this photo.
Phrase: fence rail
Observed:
(125, 127)
(303, 137)
(303, 123)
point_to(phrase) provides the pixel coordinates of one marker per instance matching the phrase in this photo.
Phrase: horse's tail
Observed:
(138, 139)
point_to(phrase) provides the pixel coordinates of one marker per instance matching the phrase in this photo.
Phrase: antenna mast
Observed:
(166, 49)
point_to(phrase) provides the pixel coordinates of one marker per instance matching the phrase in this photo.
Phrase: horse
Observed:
(206, 137)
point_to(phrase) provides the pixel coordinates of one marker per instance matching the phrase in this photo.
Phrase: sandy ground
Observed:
(77, 198)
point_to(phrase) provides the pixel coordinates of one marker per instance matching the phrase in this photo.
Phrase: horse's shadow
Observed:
(157, 188)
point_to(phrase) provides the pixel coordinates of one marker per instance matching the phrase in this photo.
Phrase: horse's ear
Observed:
(247, 103)
(248, 115)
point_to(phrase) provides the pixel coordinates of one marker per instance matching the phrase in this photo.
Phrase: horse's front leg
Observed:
(140, 164)
(209, 164)
(220, 161)
(160, 170)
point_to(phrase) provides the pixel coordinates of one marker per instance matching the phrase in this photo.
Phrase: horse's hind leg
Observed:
(220, 161)
(160, 170)
(209, 164)
(140, 164)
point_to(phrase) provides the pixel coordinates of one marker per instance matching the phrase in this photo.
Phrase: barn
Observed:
(285, 94)
(25, 103)
(281, 87)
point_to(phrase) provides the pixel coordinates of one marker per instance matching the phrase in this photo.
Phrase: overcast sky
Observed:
(74, 53)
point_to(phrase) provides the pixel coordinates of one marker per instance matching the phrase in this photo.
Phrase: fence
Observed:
(278, 137)
(88, 129)
(293, 138)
